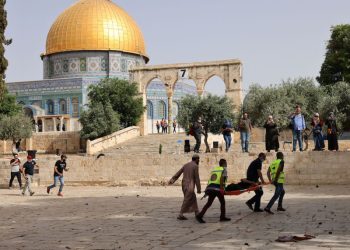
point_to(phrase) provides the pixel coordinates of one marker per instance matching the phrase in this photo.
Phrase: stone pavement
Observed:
(145, 218)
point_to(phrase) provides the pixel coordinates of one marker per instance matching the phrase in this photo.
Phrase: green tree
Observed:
(99, 120)
(336, 65)
(212, 110)
(122, 95)
(8, 105)
(15, 127)
(280, 100)
(337, 100)
(3, 41)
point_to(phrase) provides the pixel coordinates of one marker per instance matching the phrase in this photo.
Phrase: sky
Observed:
(275, 40)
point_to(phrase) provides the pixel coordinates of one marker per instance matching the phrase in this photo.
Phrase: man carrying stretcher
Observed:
(215, 188)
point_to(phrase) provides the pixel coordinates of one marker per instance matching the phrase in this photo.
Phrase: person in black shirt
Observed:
(28, 170)
(253, 176)
(60, 165)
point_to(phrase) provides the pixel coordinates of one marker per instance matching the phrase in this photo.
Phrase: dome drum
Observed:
(90, 64)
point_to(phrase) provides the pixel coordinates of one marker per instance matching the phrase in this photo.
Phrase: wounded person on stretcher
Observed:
(239, 186)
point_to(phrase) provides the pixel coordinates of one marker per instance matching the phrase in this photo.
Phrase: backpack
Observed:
(191, 131)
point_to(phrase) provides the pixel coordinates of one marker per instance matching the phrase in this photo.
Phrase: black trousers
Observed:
(256, 200)
(13, 175)
(212, 195)
(198, 142)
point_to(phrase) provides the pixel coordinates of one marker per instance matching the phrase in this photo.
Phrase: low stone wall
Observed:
(48, 142)
(301, 168)
(95, 146)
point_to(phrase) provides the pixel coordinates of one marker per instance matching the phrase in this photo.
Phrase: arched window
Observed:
(75, 106)
(175, 109)
(161, 110)
(149, 110)
(63, 106)
(50, 107)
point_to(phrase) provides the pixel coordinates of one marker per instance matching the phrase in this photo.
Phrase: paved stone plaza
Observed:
(145, 218)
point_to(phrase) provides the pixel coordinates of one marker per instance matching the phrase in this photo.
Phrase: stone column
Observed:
(61, 122)
(200, 92)
(170, 111)
(43, 124)
(54, 123)
(143, 121)
(36, 124)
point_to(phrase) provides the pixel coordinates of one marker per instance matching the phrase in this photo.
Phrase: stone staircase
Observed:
(171, 144)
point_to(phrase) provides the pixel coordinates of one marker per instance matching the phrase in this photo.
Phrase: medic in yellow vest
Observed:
(275, 174)
(215, 188)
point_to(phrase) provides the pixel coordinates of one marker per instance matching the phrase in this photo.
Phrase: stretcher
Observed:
(235, 192)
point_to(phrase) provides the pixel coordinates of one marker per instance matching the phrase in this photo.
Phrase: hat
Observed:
(316, 114)
(29, 157)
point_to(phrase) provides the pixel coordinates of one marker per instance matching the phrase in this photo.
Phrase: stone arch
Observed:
(216, 79)
(230, 71)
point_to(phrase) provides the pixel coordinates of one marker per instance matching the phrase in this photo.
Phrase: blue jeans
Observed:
(279, 194)
(297, 137)
(56, 179)
(228, 140)
(245, 135)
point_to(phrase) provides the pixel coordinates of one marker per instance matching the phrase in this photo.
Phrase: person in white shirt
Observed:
(15, 165)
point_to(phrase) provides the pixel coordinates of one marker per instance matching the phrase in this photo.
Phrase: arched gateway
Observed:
(230, 71)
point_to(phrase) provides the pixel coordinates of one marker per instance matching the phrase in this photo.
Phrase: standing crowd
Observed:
(163, 126)
(321, 130)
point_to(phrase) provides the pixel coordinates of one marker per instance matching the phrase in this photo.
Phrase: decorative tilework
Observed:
(94, 64)
(82, 64)
(58, 67)
(74, 65)
(123, 65)
(114, 64)
(103, 64)
(51, 68)
(65, 66)
(131, 64)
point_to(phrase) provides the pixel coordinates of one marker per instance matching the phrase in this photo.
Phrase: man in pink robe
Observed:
(189, 181)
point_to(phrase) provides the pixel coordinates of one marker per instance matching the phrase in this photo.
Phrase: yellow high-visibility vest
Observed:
(215, 175)
(273, 171)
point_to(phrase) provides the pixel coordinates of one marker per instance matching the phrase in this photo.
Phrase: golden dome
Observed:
(95, 25)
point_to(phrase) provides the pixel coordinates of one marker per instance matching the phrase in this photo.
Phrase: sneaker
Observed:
(47, 190)
(23, 194)
(199, 219)
(281, 209)
(268, 211)
(10, 188)
(258, 210)
(60, 194)
(249, 205)
(225, 219)
(32, 193)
